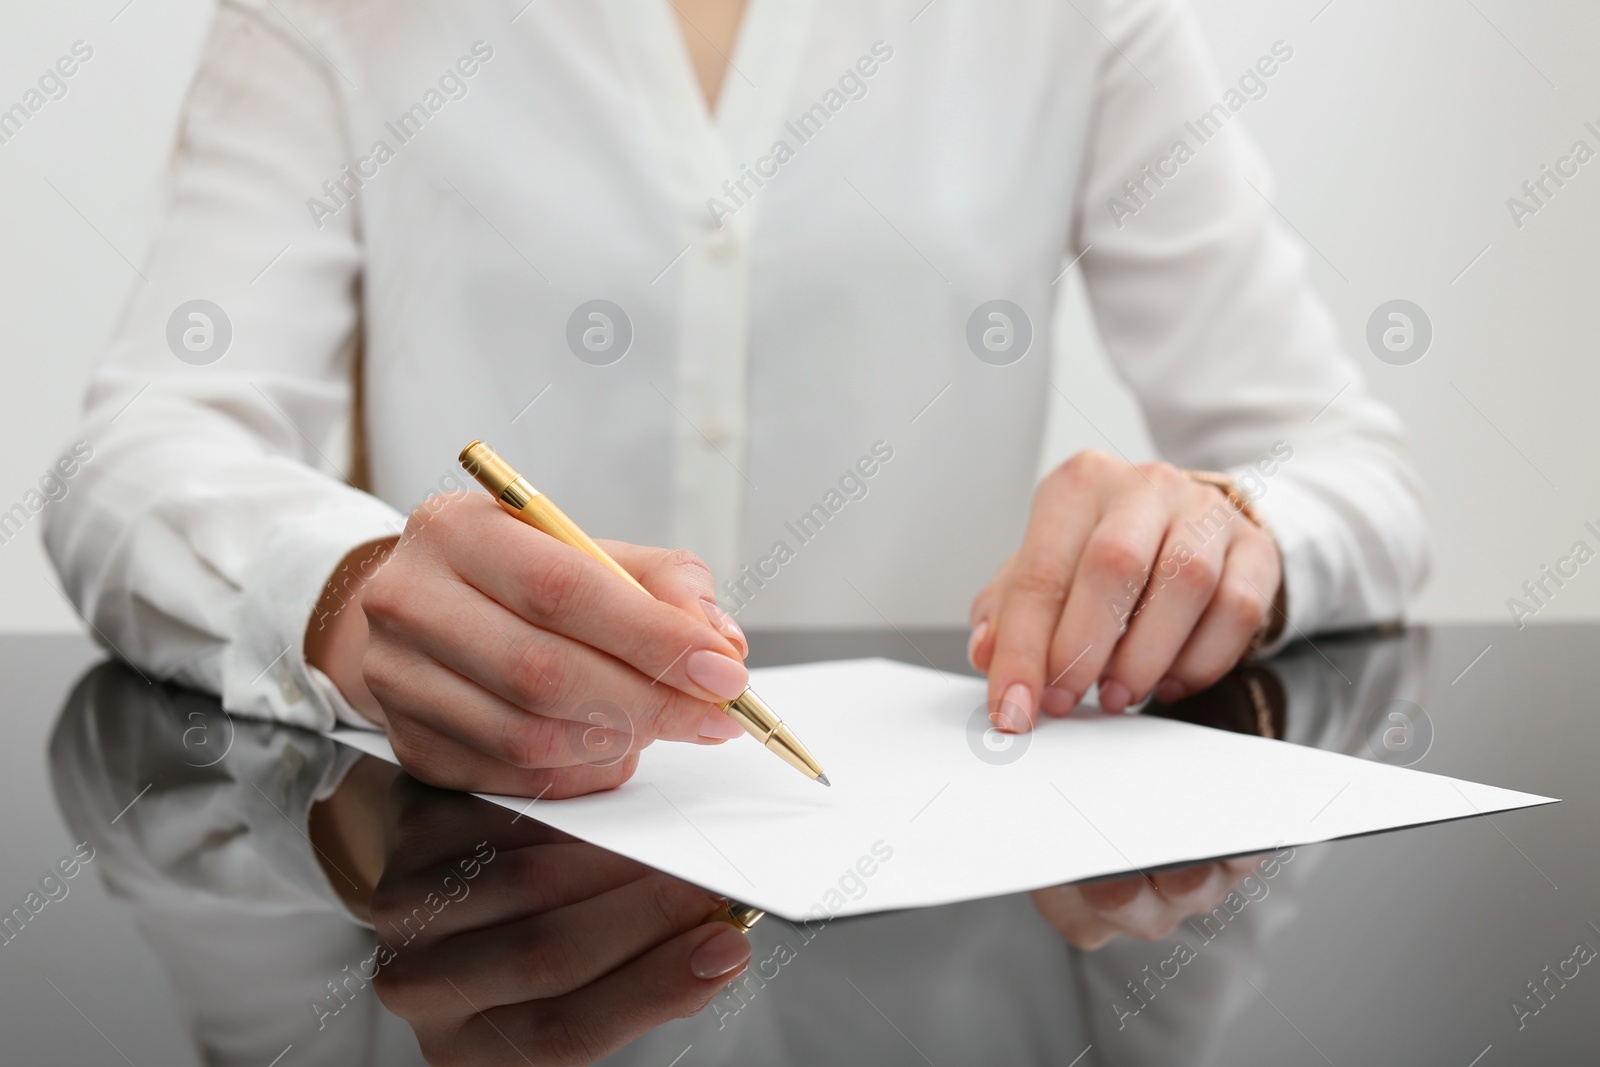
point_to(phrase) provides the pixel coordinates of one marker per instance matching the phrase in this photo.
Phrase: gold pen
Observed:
(528, 504)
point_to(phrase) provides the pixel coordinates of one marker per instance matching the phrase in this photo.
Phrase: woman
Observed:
(766, 283)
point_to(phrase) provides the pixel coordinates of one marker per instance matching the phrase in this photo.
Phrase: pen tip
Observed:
(823, 778)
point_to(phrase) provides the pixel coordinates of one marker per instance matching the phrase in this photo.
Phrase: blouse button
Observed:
(716, 431)
(720, 245)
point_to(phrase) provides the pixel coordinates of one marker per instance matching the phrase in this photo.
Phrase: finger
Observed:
(1064, 908)
(1240, 866)
(1182, 583)
(529, 670)
(556, 952)
(516, 884)
(558, 588)
(440, 760)
(1191, 889)
(435, 696)
(682, 579)
(1202, 897)
(1107, 584)
(1238, 609)
(1133, 906)
(980, 639)
(1111, 895)
(433, 830)
(588, 1024)
(1065, 509)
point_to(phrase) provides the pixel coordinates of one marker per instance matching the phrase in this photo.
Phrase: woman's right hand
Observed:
(500, 660)
(508, 942)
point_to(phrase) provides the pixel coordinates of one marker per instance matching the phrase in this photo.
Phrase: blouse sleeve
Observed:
(207, 516)
(1201, 294)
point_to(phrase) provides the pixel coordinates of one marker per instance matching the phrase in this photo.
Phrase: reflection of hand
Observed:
(527, 945)
(500, 659)
(1139, 577)
(1090, 914)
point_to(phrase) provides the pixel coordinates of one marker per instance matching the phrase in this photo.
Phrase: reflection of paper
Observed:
(927, 809)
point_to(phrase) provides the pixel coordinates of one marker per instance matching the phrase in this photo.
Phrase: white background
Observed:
(1397, 132)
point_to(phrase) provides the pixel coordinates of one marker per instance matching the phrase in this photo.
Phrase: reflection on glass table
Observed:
(303, 897)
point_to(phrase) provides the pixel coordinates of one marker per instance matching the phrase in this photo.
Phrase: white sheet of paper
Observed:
(916, 817)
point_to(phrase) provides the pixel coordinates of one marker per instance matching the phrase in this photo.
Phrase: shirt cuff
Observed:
(344, 712)
(264, 669)
(344, 758)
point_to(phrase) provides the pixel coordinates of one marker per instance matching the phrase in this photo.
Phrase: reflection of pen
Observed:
(528, 504)
(743, 916)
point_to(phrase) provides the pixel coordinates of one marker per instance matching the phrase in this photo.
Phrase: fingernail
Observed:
(716, 673)
(1170, 689)
(979, 632)
(1015, 712)
(718, 725)
(1057, 701)
(725, 625)
(1114, 696)
(726, 950)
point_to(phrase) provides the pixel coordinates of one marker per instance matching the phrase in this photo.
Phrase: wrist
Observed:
(347, 831)
(336, 634)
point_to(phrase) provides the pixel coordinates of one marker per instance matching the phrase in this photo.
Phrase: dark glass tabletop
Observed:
(182, 886)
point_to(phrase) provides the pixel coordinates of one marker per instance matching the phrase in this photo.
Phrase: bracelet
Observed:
(1230, 489)
(1279, 616)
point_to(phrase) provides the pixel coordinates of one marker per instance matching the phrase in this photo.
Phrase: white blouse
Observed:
(806, 337)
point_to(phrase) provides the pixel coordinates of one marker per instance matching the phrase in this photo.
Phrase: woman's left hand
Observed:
(1138, 577)
(1089, 914)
